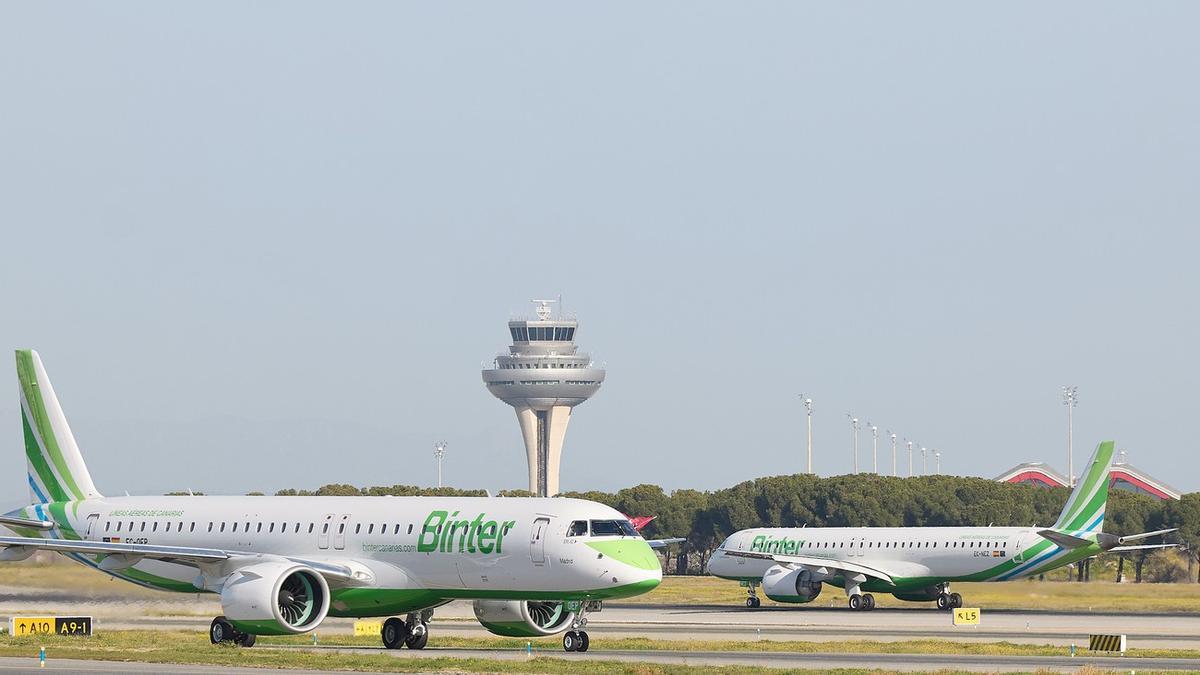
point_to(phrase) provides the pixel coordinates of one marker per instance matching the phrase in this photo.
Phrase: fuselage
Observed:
(416, 551)
(915, 557)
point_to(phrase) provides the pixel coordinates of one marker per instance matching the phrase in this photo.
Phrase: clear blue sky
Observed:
(271, 245)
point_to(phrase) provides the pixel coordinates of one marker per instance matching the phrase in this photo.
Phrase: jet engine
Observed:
(920, 595)
(275, 598)
(523, 618)
(785, 584)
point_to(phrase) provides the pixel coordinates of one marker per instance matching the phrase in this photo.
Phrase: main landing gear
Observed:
(949, 600)
(576, 639)
(752, 600)
(411, 632)
(222, 631)
(863, 602)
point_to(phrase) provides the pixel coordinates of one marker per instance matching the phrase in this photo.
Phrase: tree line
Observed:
(705, 518)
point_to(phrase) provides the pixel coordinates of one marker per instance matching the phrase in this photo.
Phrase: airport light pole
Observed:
(893, 454)
(874, 448)
(808, 409)
(854, 437)
(910, 444)
(1070, 399)
(924, 469)
(937, 462)
(439, 451)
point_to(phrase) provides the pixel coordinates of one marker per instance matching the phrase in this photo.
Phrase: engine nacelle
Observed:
(523, 618)
(275, 598)
(785, 584)
(920, 595)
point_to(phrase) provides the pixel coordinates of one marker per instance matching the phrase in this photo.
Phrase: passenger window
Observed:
(357, 528)
(192, 527)
(310, 528)
(325, 528)
(235, 527)
(371, 528)
(271, 528)
(578, 528)
(154, 528)
(410, 528)
(341, 528)
(118, 526)
(143, 526)
(259, 528)
(222, 526)
(106, 524)
(397, 530)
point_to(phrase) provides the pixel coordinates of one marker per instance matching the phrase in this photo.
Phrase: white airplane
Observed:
(534, 567)
(918, 563)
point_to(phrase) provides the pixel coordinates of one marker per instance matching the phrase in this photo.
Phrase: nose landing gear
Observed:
(576, 639)
(752, 600)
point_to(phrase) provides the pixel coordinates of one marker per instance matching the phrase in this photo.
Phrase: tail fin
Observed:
(1084, 511)
(56, 469)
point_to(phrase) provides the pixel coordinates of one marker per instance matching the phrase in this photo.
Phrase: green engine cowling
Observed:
(275, 598)
(523, 618)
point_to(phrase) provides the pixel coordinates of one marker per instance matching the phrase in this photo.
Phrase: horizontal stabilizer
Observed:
(1141, 547)
(27, 522)
(1145, 535)
(1065, 540)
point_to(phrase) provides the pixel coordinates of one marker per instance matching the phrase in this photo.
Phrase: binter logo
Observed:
(765, 544)
(444, 533)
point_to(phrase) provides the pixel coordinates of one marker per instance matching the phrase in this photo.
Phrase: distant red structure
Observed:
(1124, 476)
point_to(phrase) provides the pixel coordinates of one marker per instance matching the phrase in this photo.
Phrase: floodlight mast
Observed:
(910, 444)
(808, 408)
(937, 462)
(1070, 396)
(854, 436)
(874, 448)
(893, 453)
(924, 468)
(439, 451)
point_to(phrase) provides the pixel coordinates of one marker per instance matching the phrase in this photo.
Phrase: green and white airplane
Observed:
(918, 563)
(534, 567)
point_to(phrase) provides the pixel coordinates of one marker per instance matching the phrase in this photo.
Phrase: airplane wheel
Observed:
(856, 602)
(868, 601)
(570, 641)
(955, 600)
(753, 602)
(943, 601)
(246, 639)
(583, 641)
(418, 641)
(394, 633)
(220, 631)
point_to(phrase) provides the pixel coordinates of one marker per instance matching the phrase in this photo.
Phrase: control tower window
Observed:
(577, 529)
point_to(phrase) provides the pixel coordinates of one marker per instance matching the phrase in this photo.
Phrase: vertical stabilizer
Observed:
(56, 469)
(1084, 511)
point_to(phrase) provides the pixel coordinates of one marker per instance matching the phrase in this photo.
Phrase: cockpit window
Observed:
(613, 528)
(577, 529)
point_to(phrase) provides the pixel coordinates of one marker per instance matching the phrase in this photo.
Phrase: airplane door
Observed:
(323, 535)
(92, 519)
(339, 537)
(537, 541)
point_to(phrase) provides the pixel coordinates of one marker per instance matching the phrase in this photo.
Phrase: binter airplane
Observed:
(534, 567)
(918, 563)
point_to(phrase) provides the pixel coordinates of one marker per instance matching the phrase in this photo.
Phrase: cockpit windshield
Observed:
(613, 528)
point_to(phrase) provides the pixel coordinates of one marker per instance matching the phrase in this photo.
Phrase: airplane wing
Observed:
(184, 554)
(1141, 547)
(663, 543)
(187, 555)
(812, 561)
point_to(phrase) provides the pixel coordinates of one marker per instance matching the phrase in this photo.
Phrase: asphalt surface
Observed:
(897, 662)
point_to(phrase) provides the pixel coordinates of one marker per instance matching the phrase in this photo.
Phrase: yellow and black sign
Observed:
(966, 616)
(1106, 643)
(47, 625)
(374, 628)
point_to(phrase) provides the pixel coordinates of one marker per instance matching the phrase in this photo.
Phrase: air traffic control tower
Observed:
(543, 376)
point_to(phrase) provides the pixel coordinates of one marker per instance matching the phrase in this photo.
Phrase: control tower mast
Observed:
(543, 376)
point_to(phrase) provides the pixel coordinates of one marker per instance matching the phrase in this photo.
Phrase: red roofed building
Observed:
(1123, 476)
